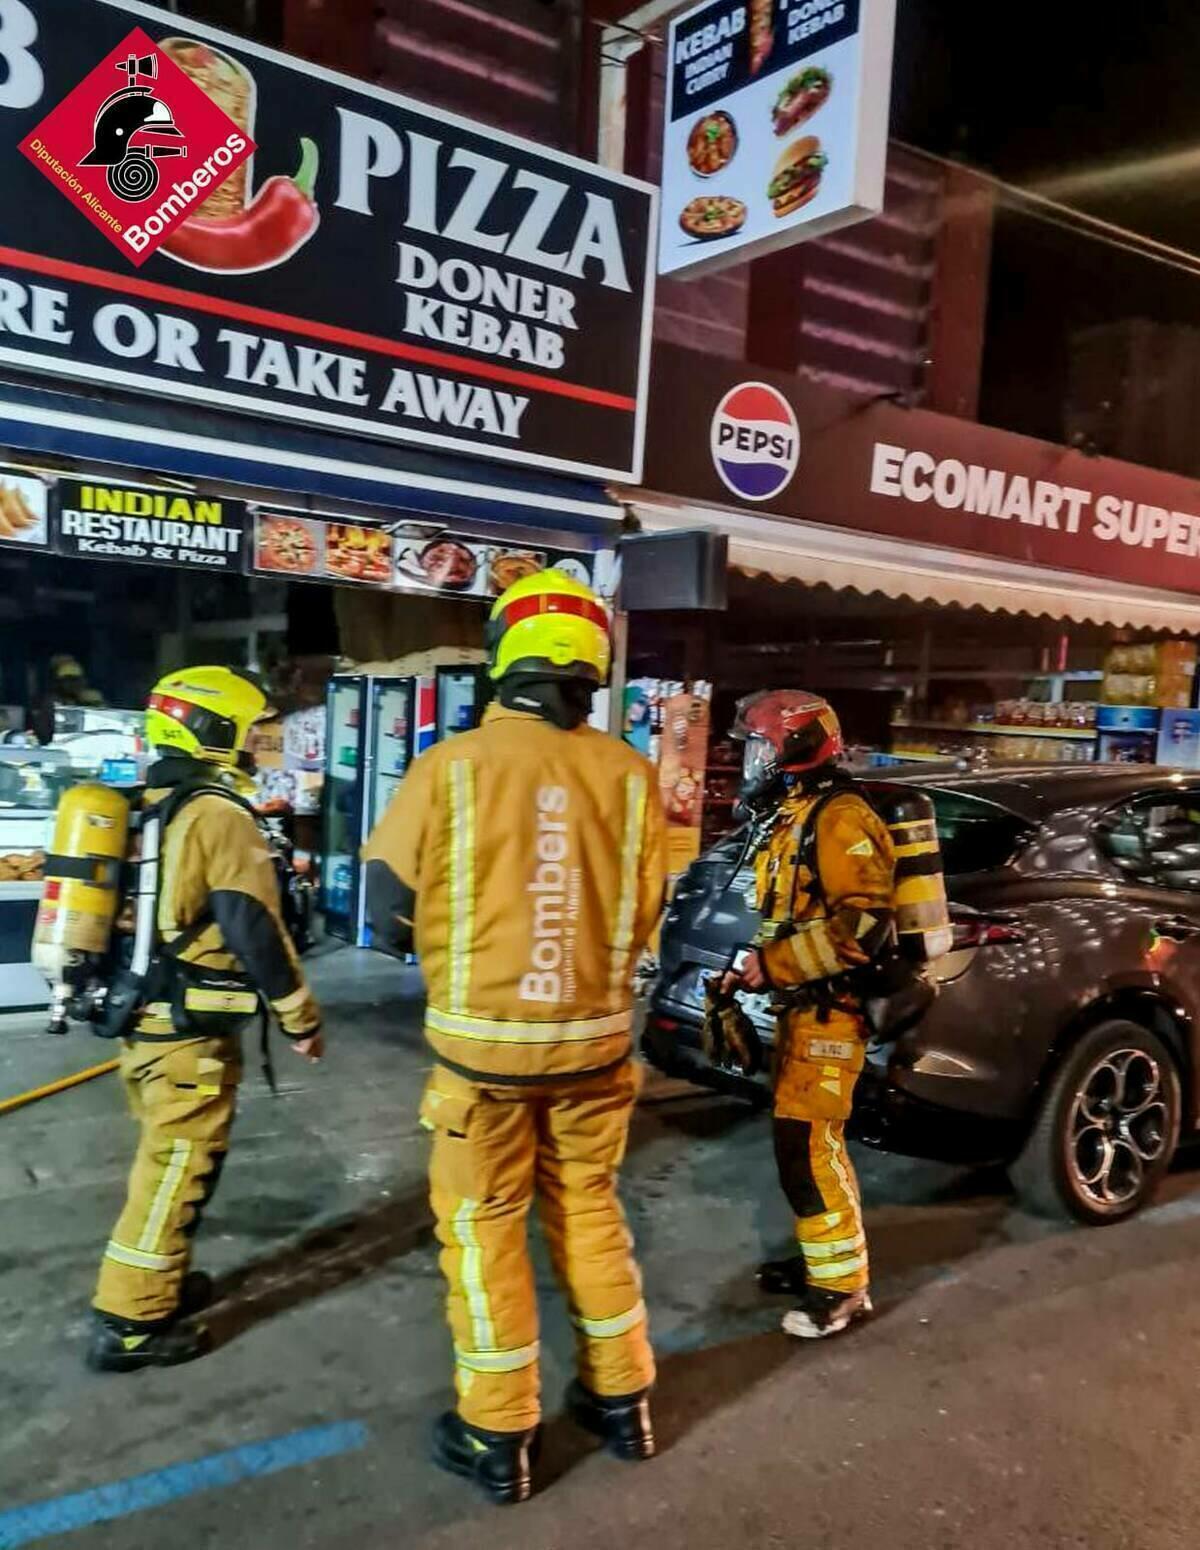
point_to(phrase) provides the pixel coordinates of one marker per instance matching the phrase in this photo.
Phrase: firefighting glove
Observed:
(729, 1036)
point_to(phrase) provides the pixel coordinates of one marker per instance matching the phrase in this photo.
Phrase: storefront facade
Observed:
(297, 333)
(962, 592)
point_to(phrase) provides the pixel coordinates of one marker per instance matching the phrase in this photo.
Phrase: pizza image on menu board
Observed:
(289, 544)
(712, 216)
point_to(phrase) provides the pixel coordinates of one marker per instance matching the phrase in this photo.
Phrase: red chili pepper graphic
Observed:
(278, 220)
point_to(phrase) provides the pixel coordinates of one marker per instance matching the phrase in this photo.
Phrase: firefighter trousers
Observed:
(183, 1094)
(818, 1065)
(496, 1149)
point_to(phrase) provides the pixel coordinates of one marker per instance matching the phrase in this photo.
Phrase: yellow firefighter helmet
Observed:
(205, 712)
(552, 626)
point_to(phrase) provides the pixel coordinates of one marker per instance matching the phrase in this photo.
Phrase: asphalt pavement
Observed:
(1023, 1383)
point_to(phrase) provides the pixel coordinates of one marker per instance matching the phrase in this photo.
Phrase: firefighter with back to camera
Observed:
(825, 885)
(220, 945)
(526, 860)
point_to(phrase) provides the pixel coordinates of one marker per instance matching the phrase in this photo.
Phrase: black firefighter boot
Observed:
(500, 1463)
(119, 1345)
(622, 1424)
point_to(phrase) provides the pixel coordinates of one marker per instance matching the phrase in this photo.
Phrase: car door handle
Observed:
(1176, 928)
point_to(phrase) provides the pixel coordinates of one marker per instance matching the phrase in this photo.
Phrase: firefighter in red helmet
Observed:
(825, 887)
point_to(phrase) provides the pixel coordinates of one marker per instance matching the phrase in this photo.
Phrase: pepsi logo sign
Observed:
(755, 441)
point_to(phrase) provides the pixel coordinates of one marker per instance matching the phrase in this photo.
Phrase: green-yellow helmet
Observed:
(550, 625)
(205, 712)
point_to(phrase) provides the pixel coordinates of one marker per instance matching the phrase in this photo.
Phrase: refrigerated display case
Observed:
(1127, 734)
(462, 696)
(1179, 739)
(376, 726)
(341, 801)
(31, 782)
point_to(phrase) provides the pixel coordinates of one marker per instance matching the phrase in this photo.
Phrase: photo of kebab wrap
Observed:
(797, 175)
(801, 98)
(231, 87)
(762, 33)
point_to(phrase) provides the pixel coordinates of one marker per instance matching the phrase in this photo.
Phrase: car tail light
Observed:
(665, 1024)
(984, 933)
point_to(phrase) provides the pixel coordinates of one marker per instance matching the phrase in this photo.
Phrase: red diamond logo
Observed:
(138, 146)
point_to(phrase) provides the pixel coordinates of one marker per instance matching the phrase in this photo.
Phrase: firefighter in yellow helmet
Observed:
(526, 860)
(219, 943)
(825, 891)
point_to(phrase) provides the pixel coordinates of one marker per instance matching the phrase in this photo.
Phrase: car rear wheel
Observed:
(1107, 1128)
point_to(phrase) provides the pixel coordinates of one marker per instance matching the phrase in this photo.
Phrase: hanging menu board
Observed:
(407, 557)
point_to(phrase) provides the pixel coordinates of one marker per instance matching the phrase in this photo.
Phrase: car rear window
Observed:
(975, 835)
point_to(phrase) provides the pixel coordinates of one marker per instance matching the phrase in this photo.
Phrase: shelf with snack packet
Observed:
(999, 729)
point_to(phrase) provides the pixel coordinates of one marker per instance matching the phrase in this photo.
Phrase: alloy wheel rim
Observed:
(1118, 1128)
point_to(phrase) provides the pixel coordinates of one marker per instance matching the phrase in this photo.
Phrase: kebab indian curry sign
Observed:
(192, 214)
(775, 127)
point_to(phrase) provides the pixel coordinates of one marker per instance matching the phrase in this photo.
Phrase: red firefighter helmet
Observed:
(786, 732)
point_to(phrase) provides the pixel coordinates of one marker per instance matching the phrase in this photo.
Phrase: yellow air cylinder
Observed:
(923, 926)
(82, 887)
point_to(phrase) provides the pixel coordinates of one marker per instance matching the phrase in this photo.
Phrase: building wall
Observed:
(261, 19)
(893, 306)
(510, 63)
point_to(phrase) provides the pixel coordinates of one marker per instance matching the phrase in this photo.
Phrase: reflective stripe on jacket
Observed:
(537, 858)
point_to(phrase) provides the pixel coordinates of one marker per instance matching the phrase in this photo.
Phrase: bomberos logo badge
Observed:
(755, 441)
(138, 147)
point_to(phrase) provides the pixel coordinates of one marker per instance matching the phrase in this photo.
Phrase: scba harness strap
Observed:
(204, 1002)
(880, 989)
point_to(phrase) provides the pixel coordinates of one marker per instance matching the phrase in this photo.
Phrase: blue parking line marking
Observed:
(60, 1514)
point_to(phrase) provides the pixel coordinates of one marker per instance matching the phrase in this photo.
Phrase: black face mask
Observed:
(564, 702)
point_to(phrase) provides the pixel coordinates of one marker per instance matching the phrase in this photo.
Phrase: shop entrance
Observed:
(922, 682)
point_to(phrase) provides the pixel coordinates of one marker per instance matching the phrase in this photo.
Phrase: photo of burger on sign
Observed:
(138, 147)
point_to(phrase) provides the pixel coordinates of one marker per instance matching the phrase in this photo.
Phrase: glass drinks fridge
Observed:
(376, 727)
(462, 694)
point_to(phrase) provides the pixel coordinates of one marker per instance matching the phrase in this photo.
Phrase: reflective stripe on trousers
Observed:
(494, 1151)
(834, 1243)
(626, 912)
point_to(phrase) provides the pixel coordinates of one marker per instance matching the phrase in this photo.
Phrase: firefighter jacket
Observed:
(536, 859)
(215, 861)
(816, 928)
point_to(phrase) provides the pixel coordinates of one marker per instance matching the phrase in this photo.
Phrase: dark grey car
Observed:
(1066, 1037)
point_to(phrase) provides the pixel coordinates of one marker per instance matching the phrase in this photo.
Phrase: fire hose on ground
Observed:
(7, 1105)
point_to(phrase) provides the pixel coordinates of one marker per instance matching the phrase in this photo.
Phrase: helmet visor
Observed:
(758, 765)
(209, 729)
